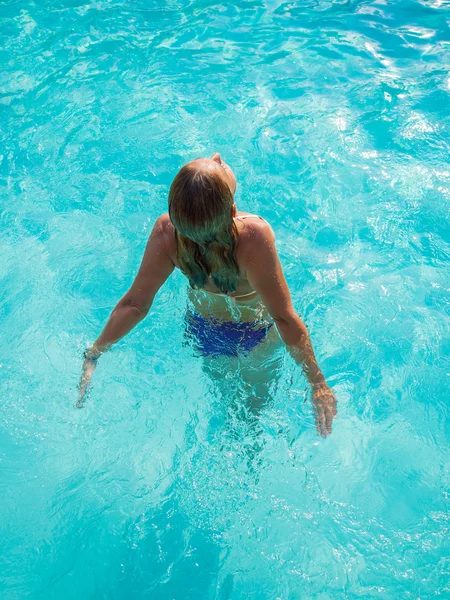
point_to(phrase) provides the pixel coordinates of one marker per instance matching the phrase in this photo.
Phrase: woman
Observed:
(238, 287)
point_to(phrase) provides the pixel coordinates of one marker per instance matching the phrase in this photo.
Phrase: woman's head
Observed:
(201, 208)
(201, 199)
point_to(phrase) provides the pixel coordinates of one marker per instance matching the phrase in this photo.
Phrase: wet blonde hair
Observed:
(201, 210)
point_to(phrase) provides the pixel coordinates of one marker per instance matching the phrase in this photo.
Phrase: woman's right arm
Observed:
(156, 266)
(265, 274)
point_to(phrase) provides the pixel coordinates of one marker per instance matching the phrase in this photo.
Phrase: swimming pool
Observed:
(335, 119)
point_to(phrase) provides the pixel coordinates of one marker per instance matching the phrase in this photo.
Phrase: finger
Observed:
(328, 420)
(334, 406)
(318, 418)
(320, 423)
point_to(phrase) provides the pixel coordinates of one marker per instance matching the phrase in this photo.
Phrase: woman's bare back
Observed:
(244, 303)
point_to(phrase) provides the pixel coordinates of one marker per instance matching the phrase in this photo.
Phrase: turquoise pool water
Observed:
(335, 117)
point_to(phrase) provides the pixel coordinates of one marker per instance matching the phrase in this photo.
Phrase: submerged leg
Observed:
(251, 377)
(260, 371)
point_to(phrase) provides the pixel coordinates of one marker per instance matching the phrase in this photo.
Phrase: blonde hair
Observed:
(201, 210)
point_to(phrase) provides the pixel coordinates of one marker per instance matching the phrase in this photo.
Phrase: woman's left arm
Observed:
(156, 266)
(260, 260)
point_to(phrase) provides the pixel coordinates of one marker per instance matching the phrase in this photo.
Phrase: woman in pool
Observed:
(233, 268)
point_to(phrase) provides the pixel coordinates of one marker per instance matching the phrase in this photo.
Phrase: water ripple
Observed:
(335, 118)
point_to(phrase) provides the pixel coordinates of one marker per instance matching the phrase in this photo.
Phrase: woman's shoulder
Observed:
(253, 230)
(254, 227)
(255, 235)
(165, 231)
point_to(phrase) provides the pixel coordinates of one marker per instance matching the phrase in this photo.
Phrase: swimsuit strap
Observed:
(227, 296)
(253, 216)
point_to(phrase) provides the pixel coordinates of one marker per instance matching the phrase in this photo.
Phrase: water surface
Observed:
(335, 118)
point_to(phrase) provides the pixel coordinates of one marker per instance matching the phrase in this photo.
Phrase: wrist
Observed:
(92, 354)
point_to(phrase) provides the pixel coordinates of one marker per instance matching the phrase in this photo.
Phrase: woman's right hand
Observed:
(88, 370)
(155, 268)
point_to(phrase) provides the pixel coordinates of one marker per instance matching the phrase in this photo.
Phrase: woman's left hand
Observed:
(325, 408)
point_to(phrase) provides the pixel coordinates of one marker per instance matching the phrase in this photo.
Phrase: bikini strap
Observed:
(248, 216)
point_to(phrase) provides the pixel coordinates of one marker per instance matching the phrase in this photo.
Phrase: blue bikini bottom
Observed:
(225, 338)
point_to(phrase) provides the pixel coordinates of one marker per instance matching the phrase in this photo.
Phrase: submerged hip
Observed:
(214, 337)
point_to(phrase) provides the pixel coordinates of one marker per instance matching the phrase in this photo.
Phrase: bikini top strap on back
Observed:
(253, 216)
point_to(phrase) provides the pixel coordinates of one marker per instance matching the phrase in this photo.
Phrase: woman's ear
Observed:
(233, 211)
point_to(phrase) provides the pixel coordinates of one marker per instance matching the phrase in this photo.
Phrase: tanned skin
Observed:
(260, 271)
